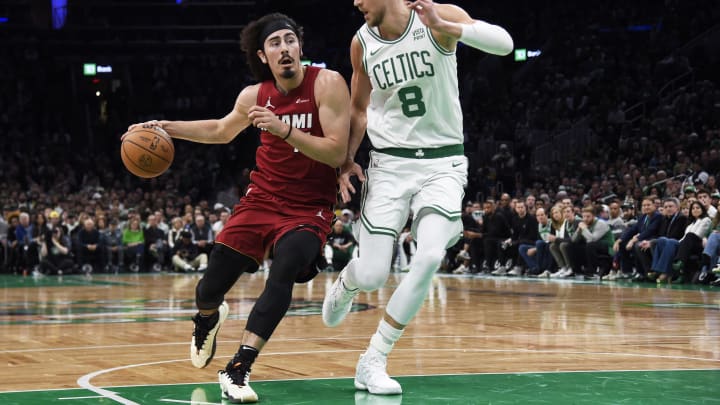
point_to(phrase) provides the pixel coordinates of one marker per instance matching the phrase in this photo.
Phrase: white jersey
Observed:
(414, 99)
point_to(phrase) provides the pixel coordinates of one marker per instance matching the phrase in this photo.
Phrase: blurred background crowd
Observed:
(601, 104)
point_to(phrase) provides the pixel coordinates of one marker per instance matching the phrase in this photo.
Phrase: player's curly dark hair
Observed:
(250, 42)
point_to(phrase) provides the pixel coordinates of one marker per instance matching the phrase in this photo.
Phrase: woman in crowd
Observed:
(692, 242)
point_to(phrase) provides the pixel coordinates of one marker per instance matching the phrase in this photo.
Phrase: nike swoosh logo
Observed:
(456, 164)
(301, 100)
(373, 52)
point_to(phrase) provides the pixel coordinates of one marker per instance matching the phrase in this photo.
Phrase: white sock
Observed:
(384, 338)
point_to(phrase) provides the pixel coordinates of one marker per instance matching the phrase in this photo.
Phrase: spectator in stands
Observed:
(203, 234)
(156, 244)
(472, 237)
(340, 246)
(26, 249)
(114, 250)
(704, 197)
(561, 247)
(55, 253)
(134, 243)
(89, 247)
(161, 223)
(556, 227)
(597, 242)
(646, 228)
(537, 256)
(13, 251)
(692, 242)
(495, 228)
(711, 252)
(524, 232)
(615, 221)
(530, 201)
(186, 255)
(177, 226)
(220, 223)
(671, 231)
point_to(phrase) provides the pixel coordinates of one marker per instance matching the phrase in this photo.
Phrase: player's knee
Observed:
(371, 282)
(207, 297)
(428, 260)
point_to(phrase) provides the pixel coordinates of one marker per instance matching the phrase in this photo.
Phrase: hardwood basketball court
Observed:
(125, 339)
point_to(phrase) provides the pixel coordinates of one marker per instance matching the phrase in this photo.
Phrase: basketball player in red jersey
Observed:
(304, 118)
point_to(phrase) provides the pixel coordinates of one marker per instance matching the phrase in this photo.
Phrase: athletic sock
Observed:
(384, 338)
(247, 354)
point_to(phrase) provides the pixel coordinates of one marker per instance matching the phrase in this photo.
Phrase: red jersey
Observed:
(281, 169)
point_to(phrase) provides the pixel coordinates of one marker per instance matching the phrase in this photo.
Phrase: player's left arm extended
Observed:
(454, 24)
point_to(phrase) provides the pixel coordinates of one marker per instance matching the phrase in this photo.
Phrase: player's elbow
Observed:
(507, 46)
(505, 43)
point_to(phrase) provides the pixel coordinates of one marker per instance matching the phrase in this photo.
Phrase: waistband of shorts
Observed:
(425, 153)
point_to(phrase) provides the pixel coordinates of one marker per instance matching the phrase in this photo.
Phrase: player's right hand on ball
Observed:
(146, 124)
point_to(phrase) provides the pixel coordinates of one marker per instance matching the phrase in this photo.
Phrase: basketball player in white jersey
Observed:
(404, 92)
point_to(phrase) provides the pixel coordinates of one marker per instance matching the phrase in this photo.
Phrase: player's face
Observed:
(282, 53)
(373, 11)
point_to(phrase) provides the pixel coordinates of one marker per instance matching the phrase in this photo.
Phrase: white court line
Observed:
(333, 338)
(84, 381)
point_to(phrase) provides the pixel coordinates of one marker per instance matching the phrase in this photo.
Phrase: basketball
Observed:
(147, 152)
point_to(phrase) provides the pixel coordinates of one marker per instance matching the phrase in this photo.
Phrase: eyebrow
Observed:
(276, 37)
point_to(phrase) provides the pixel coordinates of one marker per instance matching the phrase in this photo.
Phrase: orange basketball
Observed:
(147, 152)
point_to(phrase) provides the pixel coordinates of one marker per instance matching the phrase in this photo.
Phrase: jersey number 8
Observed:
(412, 101)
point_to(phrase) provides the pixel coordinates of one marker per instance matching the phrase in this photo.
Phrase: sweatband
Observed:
(487, 37)
(272, 26)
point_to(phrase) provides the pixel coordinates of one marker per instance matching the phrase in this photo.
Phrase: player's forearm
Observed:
(358, 125)
(202, 131)
(326, 150)
(480, 35)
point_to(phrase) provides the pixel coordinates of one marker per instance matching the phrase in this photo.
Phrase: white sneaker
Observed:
(461, 269)
(235, 383)
(371, 375)
(516, 271)
(545, 274)
(500, 271)
(559, 273)
(611, 276)
(202, 267)
(621, 275)
(338, 301)
(202, 355)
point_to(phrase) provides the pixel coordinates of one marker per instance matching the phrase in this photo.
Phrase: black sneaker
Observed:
(202, 346)
(234, 382)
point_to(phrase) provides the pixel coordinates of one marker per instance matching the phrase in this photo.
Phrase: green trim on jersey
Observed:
(423, 153)
(404, 34)
(377, 230)
(451, 215)
(364, 48)
(437, 45)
